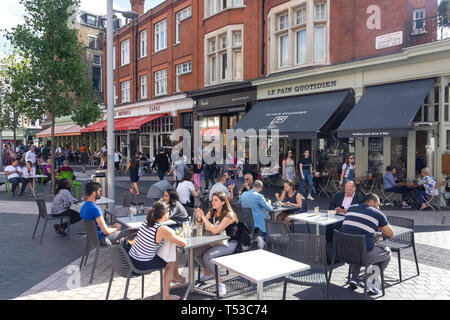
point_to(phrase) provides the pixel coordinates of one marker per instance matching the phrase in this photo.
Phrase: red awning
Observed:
(123, 124)
(60, 131)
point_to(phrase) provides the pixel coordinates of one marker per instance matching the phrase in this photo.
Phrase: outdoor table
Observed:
(196, 242)
(136, 222)
(321, 219)
(397, 232)
(34, 177)
(100, 202)
(259, 266)
(280, 209)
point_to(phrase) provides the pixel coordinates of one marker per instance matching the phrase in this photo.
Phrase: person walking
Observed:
(306, 171)
(179, 167)
(133, 166)
(162, 163)
(347, 171)
(197, 174)
(288, 166)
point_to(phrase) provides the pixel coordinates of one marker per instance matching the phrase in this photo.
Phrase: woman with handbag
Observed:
(221, 219)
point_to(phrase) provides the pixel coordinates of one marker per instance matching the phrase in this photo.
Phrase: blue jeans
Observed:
(420, 194)
(161, 174)
(308, 178)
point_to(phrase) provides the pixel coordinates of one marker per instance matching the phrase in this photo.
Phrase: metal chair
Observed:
(44, 215)
(352, 249)
(245, 215)
(92, 240)
(309, 249)
(386, 198)
(127, 201)
(403, 241)
(277, 235)
(121, 264)
(69, 175)
(432, 200)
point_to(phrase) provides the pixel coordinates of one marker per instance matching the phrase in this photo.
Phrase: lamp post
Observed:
(110, 98)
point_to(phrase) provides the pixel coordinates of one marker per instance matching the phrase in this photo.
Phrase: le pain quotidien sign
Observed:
(302, 88)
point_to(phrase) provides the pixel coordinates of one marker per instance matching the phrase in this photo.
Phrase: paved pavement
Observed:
(32, 271)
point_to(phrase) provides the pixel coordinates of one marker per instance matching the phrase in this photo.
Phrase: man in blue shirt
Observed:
(366, 219)
(90, 211)
(254, 200)
(390, 185)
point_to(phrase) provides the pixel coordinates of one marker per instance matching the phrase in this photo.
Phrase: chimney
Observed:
(137, 6)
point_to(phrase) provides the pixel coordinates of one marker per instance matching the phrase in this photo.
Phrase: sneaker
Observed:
(222, 289)
(261, 242)
(310, 197)
(406, 206)
(353, 283)
(371, 289)
(204, 277)
(303, 198)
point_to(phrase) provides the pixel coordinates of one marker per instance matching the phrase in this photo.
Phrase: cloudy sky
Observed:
(11, 13)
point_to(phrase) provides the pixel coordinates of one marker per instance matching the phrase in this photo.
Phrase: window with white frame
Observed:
(181, 16)
(224, 58)
(92, 20)
(161, 35)
(161, 82)
(125, 52)
(92, 40)
(297, 37)
(144, 87)
(215, 6)
(419, 20)
(125, 91)
(143, 43)
(97, 60)
(182, 69)
(115, 94)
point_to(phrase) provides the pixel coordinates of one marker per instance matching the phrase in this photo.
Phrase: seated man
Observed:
(426, 186)
(230, 181)
(366, 219)
(90, 211)
(390, 185)
(220, 186)
(254, 200)
(248, 182)
(13, 173)
(65, 167)
(341, 202)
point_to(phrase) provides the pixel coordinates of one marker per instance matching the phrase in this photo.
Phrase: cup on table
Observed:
(316, 211)
(178, 231)
(199, 230)
(331, 214)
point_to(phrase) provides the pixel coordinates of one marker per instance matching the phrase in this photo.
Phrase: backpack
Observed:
(242, 233)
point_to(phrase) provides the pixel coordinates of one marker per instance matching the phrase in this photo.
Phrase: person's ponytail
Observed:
(156, 213)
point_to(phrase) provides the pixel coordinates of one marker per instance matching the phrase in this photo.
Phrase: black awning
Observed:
(301, 117)
(386, 110)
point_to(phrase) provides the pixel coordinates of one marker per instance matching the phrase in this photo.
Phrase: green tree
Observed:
(58, 76)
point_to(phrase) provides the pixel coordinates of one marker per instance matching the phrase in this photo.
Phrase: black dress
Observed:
(134, 173)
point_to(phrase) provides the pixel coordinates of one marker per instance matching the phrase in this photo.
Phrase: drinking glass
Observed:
(316, 211)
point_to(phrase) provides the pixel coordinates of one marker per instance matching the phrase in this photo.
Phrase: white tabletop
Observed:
(99, 202)
(36, 176)
(195, 242)
(136, 222)
(321, 219)
(260, 265)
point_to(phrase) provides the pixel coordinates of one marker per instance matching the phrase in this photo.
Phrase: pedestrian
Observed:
(306, 172)
(179, 167)
(162, 163)
(197, 174)
(31, 155)
(133, 166)
(117, 158)
(288, 166)
(347, 170)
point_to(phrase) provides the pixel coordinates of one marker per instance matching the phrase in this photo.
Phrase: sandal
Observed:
(180, 280)
(172, 297)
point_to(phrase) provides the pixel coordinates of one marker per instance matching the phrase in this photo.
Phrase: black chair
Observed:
(277, 236)
(190, 211)
(44, 215)
(352, 249)
(92, 240)
(205, 205)
(245, 215)
(403, 241)
(121, 264)
(308, 249)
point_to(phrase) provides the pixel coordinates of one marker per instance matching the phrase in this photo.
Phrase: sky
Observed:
(12, 12)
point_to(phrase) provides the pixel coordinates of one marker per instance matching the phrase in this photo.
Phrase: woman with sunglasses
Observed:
(348, 171)
(306, 171)
(288, 166)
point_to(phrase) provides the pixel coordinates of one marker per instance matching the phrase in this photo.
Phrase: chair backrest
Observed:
(204, 205)
(190, 211)
(120, 260)
(405, 223)
(129, 196)
(42, 208)
(245, 215)
(307, 248)
(350, 248)
(91, 232)
(276, 227)
(65, 174)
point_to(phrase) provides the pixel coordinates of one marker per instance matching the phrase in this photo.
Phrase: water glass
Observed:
(199, 230)
(316, 211)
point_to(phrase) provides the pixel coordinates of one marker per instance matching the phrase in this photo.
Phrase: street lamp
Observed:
(110, 98)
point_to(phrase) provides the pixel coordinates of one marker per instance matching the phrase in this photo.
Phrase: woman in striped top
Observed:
(151, 236)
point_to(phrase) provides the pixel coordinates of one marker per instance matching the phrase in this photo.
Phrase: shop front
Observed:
(400, 116)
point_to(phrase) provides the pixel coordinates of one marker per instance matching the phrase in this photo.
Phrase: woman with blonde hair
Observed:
(219, 218)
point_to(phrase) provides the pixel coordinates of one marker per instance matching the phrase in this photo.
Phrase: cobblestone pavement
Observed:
(32, 271)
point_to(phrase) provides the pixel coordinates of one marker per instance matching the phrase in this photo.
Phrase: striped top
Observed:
(145, 246)
(364, 220)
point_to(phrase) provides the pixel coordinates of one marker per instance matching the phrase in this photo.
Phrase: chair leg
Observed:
(415, 257)
(126, 286)
(43, 231)
(284, 289)
(110, 283)
(382, 281)
(95, 262)
(142, 291)
(68, 228)
(161, 283)
(399, 266)
(35, 228)
(365, 283)
(84, 255)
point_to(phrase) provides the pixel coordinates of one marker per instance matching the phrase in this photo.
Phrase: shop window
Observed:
(399, 156)
(376, 158)
(330, 154)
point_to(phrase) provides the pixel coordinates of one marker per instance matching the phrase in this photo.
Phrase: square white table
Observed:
(136, 222)
(259, 266)
(321, 219)
(99, 202)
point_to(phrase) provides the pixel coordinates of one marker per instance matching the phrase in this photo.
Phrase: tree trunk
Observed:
(14, 131)
(52, 151)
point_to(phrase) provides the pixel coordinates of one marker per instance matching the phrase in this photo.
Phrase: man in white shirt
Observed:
(220, 186)
(31, 155)
(117, 157)
(14, 175)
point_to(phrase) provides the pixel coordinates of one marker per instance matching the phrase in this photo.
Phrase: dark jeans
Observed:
(308, 178)
(420, 195)
(73, 215)
(403, 190)
(209, 176)
(161, 174)
(15, 182)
